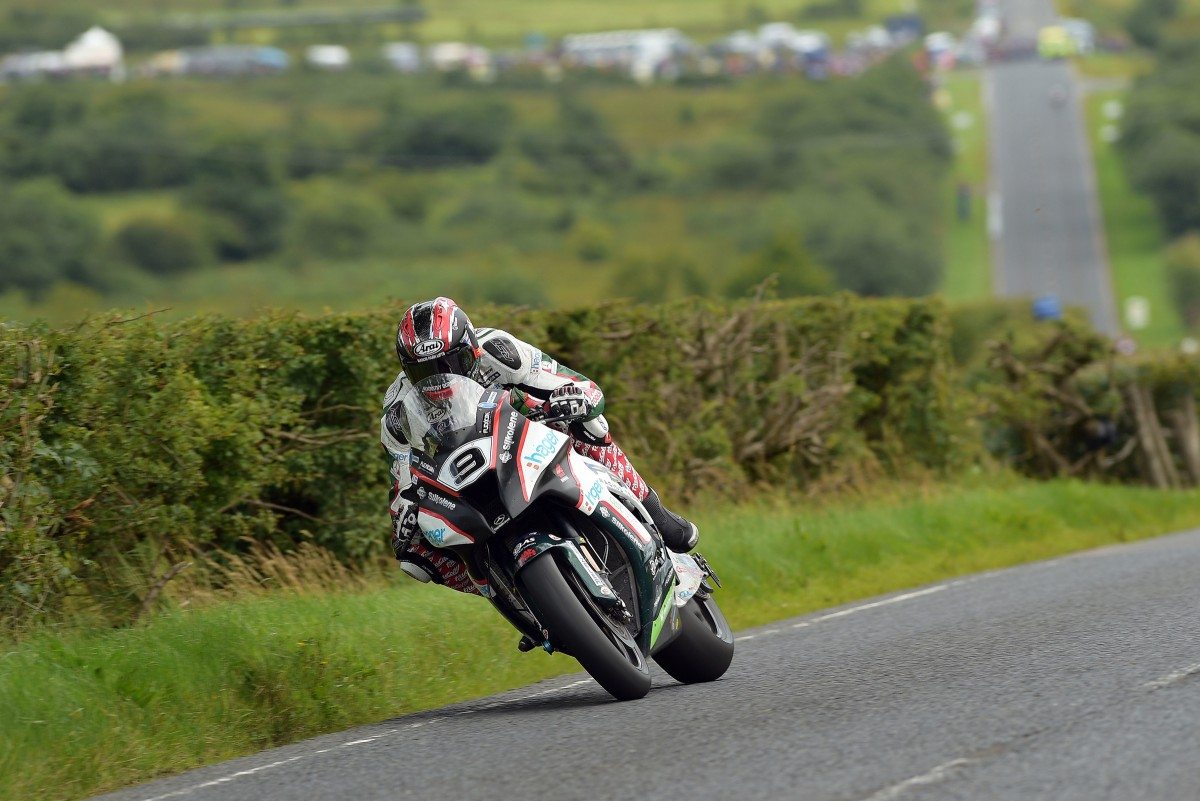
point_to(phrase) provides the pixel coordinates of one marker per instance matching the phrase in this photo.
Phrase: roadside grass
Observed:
(965, 241)
(1134, 234)
(86, 712)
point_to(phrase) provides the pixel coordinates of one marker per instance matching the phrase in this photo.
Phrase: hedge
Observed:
(128, 444)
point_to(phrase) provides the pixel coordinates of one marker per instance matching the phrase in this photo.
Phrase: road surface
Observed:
(1044, 218)
(1077, 678)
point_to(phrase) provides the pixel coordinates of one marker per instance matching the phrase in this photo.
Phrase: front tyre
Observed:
(577, 625)
(703, 649)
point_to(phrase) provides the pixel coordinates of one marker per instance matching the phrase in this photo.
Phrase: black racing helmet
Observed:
(436, 337)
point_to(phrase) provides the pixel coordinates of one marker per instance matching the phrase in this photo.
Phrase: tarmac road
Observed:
(1044, 219)
(1077, 678)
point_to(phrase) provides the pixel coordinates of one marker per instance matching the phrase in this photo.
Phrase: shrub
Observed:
(197, 434)
(1183, 272)
(164, 245)
(338, 221)
(470, 133)
(238, 187)
(45, 235)
(791, 268)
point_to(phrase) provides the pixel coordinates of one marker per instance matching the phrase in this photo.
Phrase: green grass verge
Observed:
(86, 712)
(965, 241)
(1135, 237)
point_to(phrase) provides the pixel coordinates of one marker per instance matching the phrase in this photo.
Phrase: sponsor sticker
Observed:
(543, 450)
(428, 349)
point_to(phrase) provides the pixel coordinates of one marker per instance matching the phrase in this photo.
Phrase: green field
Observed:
(965, 241)
(505, 22)
(710, 176)
(1134, 234)
(85, 712)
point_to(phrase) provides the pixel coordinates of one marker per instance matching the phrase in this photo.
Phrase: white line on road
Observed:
(938, 774)
(250, 771)
(1172, 678)
(895, 599)
(852, 610)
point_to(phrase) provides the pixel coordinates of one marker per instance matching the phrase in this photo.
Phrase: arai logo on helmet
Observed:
(430, 347)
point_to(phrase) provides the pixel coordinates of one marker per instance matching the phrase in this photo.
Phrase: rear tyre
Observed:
(703, 649)
(602, 645)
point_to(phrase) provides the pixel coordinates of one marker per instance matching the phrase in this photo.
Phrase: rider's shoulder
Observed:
(395, 390)
(509, 354)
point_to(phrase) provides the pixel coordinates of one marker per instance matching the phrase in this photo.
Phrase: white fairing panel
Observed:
(539, 446)
(591, 486)
(690, 575)
(439, 532)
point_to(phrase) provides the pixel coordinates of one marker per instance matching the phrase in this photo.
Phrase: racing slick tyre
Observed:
(703, 649)
(602, 644)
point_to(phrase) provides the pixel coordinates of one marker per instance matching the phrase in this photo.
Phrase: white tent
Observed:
(96, 50)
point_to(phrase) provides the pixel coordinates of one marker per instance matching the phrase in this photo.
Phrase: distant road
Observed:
(1046, 228)
(1077, 678)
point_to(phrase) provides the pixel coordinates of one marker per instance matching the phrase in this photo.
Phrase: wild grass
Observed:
(89, 711)
(1134, 233)
(965, 240)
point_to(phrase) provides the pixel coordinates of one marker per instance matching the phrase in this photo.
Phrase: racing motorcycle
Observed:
(556, 542)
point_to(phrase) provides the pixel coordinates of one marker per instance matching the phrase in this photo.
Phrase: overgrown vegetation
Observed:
(128, 446)
(524, 193)
(134, 442)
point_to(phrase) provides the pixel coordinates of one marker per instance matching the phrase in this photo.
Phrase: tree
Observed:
(469, 133)
(238, 186)
(578, 151)
(164, 245)
(46, 236)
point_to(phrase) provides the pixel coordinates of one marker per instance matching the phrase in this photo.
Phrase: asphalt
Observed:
(1044, 217)
(1077, 678)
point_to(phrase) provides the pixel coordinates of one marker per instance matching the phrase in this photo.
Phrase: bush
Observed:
(788, 265)
(591, 241)
(1183, 272)
(125, 144)
(165, 438)
(471, 133)
(337, 221)
(45, 235)
(239, 189)
(164, 245)
(578, 152)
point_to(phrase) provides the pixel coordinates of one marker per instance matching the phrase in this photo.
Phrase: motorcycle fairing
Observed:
(536, 543)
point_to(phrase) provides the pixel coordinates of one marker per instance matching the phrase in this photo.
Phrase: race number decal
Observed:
(465, 465)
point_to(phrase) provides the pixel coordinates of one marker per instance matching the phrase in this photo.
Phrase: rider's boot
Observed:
(680, 535)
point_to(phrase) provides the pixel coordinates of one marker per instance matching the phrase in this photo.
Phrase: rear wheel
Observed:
(703, 649)
(602, 644)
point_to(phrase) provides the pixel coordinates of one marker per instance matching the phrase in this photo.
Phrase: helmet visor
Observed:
(460, 361)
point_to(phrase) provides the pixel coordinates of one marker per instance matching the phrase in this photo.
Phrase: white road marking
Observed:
(895, 599)
(1172, 678)
(938, 774)
(250, 771)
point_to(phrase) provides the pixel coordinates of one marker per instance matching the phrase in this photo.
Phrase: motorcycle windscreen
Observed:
(433, 410)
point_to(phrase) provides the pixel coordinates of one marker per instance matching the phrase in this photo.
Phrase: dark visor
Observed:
(459, 361)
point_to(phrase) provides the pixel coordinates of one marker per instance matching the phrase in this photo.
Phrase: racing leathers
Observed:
(538, 385)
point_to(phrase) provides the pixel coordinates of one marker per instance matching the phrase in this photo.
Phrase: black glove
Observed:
(404, 527)
(569, 402)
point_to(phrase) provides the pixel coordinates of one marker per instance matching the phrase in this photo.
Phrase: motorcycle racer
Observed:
(436, 337)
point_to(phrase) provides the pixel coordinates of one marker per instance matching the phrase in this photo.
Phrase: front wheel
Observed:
(703, 649)
(578, 626)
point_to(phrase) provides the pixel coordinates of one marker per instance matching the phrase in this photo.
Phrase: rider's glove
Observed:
(569, 402)
(404, 529)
